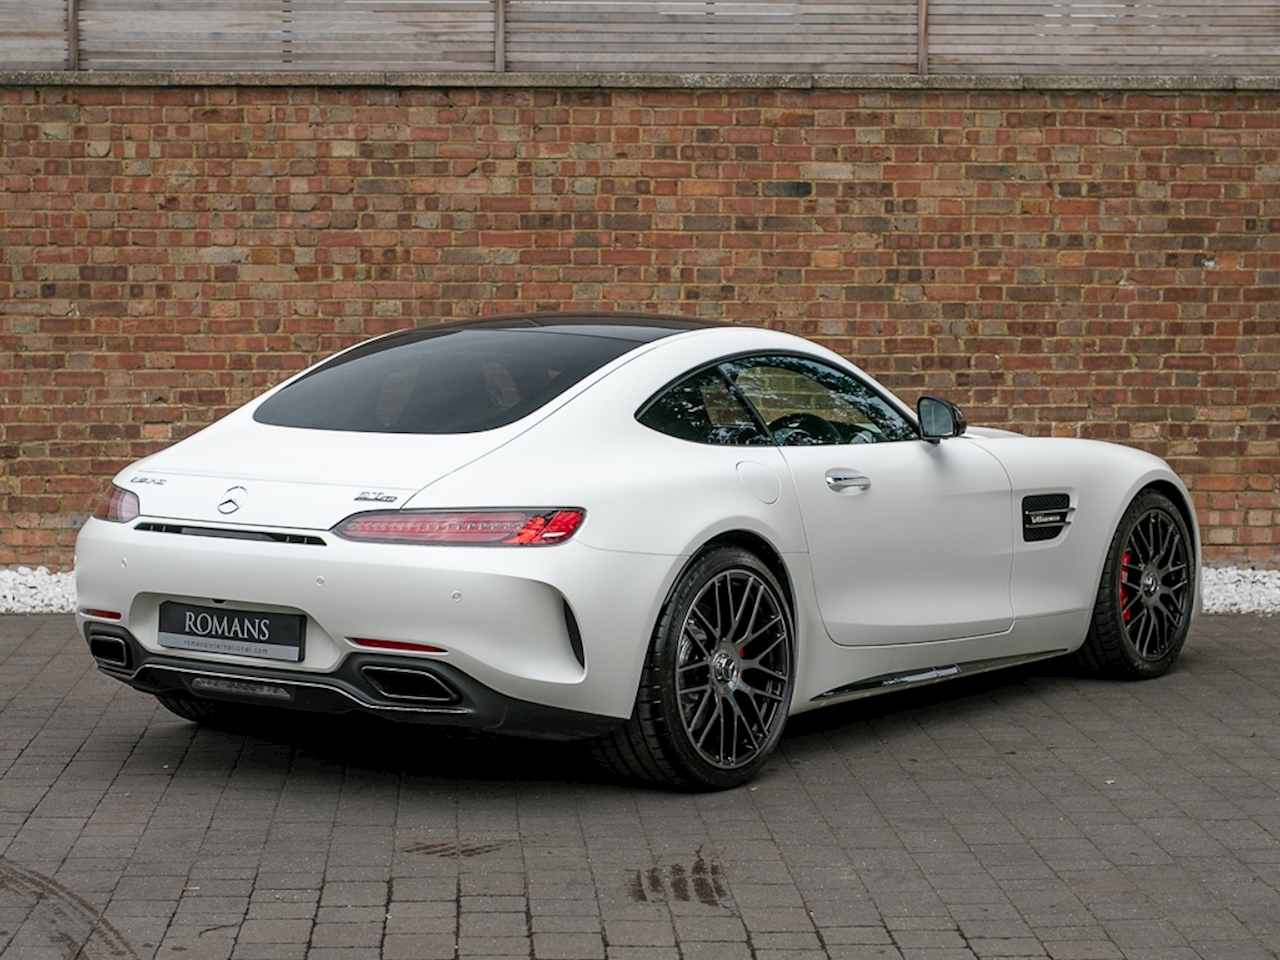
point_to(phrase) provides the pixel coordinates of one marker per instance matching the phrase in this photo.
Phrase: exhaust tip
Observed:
(109, 651)
(417, 686)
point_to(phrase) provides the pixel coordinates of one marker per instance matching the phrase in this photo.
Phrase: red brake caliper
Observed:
(1125, 590)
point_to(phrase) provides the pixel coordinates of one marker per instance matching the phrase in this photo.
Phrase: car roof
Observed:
(637, 327)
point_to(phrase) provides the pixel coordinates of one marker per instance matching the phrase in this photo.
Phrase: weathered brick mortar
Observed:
(1081, 262)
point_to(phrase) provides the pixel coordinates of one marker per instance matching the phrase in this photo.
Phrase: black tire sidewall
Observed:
(662, 663)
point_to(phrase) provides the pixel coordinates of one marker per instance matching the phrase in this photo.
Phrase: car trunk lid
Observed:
(266, 476)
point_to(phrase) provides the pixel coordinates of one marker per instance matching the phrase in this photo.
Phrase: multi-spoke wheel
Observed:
(717, 680)
(1145, 597)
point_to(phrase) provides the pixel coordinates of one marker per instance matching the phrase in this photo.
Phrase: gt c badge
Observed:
(232, 500)
(376, 496)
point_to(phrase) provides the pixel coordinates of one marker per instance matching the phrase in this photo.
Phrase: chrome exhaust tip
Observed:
(416, 686)
(109, 651)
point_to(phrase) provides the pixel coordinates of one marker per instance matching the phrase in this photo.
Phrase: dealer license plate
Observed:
(245, 633)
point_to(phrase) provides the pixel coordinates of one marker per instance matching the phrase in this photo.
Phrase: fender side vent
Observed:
(1044, 516)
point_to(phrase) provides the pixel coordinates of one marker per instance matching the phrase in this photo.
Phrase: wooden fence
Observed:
(645, 36)
(33, 34)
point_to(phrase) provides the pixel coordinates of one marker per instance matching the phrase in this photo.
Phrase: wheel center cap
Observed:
(724, 667)
(1149, 584)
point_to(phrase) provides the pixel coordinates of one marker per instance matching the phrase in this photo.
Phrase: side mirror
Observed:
(939, 418)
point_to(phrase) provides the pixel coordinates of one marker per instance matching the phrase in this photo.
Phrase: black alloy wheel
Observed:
(717, 681)
(1146, 594)
(733, 668)
(1154, 585)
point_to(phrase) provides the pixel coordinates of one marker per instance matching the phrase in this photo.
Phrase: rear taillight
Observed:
(118, 506)
(479, 528)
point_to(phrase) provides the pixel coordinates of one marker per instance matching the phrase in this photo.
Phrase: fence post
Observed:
(73, 34)
(922, 38)
(499, 36)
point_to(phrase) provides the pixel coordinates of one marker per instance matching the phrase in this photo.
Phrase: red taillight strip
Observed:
(395, 645)
(464, 527)
(103, 614)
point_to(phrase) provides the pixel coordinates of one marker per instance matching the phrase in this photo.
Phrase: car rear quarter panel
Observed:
(645, 494)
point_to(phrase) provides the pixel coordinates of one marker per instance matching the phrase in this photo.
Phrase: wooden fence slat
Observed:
(907, 36)
(33, 34)
(742, 35)
(1184, 36)
(260, 34)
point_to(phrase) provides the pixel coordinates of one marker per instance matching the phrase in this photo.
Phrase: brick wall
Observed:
(1098, 264)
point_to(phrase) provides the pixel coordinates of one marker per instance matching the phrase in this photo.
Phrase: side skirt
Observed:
(888, 682)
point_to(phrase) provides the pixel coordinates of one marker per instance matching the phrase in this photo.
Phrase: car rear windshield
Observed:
(446, 381)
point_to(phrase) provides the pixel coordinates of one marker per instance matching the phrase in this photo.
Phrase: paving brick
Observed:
(639, 933)
(419, 947)
(715, 950)
(568, 946)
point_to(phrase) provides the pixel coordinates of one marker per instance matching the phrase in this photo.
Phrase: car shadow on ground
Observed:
(370, 744)
(373, 745)
(967, 699)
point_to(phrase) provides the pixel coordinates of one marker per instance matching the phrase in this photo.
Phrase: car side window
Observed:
(703, 409)
(808, 403)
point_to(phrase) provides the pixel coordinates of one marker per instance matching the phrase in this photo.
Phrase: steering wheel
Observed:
(803, 430)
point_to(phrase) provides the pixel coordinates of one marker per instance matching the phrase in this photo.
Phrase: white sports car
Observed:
(661, 534)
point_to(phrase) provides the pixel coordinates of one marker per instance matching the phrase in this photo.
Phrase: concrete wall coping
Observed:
(649, 81)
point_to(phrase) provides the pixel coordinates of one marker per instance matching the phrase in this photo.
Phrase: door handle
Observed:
(847, 480)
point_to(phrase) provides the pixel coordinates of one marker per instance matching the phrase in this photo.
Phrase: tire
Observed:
(1146, 594)
(717, 679)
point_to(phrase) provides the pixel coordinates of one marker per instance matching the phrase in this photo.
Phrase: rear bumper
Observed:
(565, 626)
(399, 688)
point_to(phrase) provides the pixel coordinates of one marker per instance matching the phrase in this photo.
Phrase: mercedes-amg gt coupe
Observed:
(660, 534)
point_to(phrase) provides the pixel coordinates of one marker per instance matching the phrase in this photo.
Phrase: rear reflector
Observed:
(485, 528)
(395, 645)
(103, 614)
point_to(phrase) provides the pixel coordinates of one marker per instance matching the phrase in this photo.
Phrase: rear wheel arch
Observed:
(690, 726)
(764, 551)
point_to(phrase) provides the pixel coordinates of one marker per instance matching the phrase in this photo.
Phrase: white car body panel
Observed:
(505, 627)
(922, 570)
(924, 553)
(1061, 575)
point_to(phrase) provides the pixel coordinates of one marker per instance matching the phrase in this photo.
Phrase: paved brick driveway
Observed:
(1028, 814)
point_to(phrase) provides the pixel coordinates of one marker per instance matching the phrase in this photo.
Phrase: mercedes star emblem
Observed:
(232, 500)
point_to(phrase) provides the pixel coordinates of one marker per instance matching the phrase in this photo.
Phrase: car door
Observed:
(909, 540)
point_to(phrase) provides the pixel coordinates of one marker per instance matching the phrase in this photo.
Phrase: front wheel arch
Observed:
(1179, 499)
(1147, 590)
